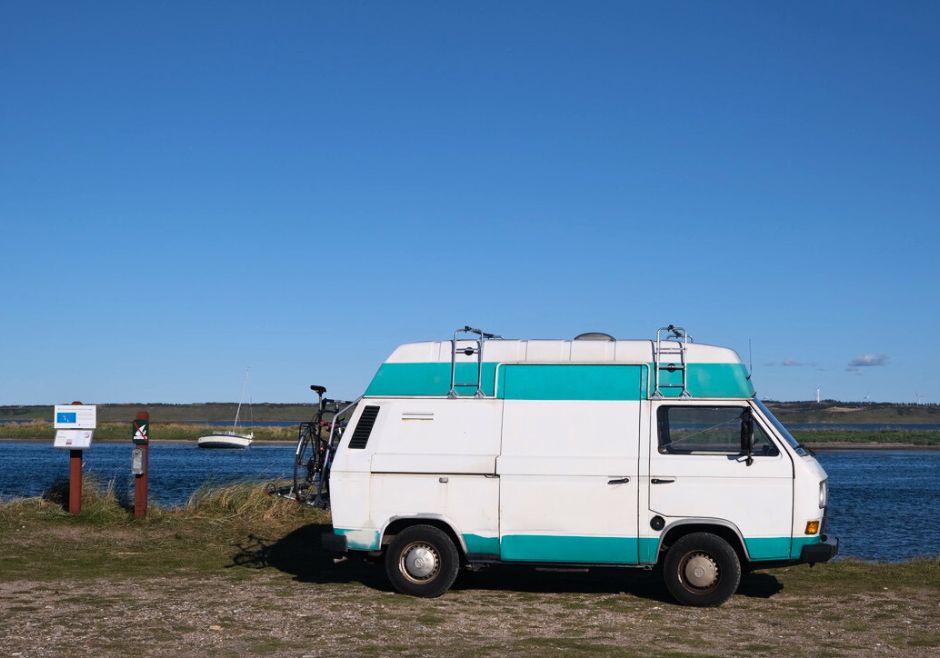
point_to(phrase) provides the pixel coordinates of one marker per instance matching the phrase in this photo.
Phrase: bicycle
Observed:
(314, 453)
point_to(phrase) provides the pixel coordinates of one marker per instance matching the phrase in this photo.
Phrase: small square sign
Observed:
(75, 417)
(73, 439)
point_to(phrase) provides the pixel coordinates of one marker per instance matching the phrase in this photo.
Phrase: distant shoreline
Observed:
(222, 413)
(832, 445)
(6, 439)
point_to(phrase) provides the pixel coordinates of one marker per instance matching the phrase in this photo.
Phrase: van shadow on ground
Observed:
(300, 555)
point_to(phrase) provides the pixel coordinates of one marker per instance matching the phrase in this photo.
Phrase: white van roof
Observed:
(557, 351)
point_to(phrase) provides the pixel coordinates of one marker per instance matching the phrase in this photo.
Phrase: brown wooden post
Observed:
(75, 481)
(141, 479)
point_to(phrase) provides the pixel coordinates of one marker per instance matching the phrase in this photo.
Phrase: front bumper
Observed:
(821, 552)
(333, 543)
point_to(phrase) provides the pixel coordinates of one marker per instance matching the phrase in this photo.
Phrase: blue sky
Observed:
(190, 189)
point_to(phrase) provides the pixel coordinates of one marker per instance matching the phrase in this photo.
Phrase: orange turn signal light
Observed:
(812, 527)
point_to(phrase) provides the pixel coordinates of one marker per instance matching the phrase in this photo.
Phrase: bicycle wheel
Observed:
(304, 460)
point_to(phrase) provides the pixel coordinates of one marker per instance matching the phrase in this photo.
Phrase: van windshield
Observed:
(783, 431)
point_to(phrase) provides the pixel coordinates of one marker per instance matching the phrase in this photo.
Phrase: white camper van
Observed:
(585, 452)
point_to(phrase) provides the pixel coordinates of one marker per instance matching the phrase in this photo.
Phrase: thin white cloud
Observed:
(867, 360)
(792, 363)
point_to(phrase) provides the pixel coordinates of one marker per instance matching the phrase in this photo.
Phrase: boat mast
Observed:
(240, 400)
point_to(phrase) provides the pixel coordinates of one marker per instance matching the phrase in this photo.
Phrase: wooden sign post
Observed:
(139, 462)
(74, 425)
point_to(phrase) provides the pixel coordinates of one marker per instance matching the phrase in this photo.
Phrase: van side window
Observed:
(695, 430)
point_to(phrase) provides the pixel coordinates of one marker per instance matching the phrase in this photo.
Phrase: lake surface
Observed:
(177, 470)
(884, 504)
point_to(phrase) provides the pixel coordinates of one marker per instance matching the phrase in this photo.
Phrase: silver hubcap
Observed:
(699, 570)
(419, 562)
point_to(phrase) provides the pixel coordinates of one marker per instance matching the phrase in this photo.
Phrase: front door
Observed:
(698, 470)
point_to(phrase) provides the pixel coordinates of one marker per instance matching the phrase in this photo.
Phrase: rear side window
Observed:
(689, 430)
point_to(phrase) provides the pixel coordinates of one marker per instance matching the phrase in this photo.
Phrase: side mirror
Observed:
(747, 436)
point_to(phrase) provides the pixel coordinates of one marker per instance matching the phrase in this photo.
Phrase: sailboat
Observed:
(234, 438)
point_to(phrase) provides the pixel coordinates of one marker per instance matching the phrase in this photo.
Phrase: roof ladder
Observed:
(672, 345)
(481, 337)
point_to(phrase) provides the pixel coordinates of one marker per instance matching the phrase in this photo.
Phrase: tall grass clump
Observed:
(102, 504)
(249, 502)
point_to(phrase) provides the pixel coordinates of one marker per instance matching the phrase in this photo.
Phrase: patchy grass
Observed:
(39, 539)
(236, 572)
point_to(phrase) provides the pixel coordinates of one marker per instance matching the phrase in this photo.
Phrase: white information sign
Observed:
(73, 439)
(75, 417)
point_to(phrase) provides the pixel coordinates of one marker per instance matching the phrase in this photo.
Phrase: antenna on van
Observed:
(750, 359)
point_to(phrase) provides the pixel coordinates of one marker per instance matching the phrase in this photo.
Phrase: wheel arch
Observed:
(398, 523)
(727, 531)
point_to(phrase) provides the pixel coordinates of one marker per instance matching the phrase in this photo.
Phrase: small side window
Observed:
(697, 430)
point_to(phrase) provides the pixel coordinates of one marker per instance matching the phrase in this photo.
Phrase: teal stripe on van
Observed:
(557, 381)
(480, 545)
(572, 382)
(566, 548)
(778, 548)
(709, 380)
(358, 539)
(768, 548)
(628, 550)
(428, 379)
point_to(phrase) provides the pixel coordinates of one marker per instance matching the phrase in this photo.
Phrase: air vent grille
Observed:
(364, 428)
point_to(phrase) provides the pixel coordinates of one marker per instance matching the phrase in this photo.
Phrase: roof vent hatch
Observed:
(594, 335)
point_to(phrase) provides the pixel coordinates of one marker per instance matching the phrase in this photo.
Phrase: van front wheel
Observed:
(701, 569)
(422, 561)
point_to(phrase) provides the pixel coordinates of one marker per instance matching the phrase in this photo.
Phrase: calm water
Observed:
(884, 504)
(27, 468)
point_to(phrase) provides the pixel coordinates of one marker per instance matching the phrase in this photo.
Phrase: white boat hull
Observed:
(225, 440)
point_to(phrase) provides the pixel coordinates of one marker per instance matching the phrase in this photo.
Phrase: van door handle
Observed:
(618, 481)
(661, 481)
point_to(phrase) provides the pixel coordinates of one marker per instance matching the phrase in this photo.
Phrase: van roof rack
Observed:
(481, 337)
(673, 344)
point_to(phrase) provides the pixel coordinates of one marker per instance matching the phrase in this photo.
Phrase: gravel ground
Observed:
(350, 611)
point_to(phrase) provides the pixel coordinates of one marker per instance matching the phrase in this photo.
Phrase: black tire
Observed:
(422, 561)
(303, 455)
(701, 569)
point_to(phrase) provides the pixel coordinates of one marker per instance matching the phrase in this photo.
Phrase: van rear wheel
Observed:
(701, 569)
(422, 561)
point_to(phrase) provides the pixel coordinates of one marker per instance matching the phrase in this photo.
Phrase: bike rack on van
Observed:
(673, 344)
(482, 337)
(313, 455)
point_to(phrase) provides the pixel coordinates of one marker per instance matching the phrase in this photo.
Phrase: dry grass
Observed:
(243, 503)
(247, 502)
